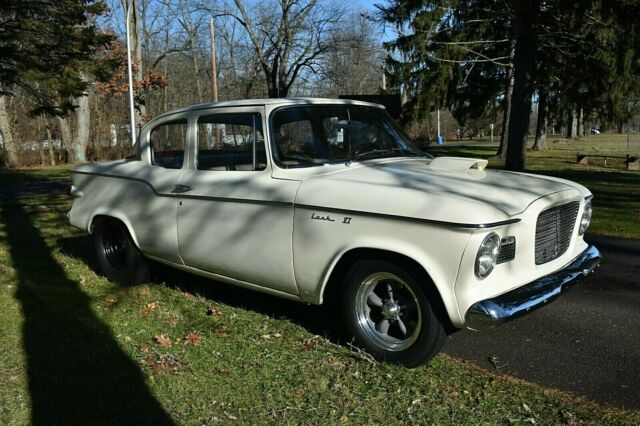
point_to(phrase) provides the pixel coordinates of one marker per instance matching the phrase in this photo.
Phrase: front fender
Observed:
(319, 245)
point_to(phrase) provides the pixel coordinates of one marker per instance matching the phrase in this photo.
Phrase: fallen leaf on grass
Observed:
(221, 370)
(165, 363)
(188, 295)
(164, 341)
(193, 338)
(222, 331)
(309, 344)
(266, 336)
(212, 310)
(344, 418)
(149, 307)
(454, 394)
(417, 401)
(110, 302)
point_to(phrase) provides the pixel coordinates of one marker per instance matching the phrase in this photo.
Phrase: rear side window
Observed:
(168, 142)
(231, 142)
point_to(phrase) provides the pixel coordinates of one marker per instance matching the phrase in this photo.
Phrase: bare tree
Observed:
(289, 40)
(355, 65)
(192, 20)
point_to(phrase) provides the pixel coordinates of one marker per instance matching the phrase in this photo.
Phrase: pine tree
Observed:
(52, 44)
(579, 56)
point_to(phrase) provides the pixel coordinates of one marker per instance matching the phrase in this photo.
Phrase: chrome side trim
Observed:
(491, 312)
(407, 218)
(183, 195)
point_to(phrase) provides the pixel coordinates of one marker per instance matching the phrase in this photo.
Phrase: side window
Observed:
(295, 138)
(300, 138)
(168, 142)
(231, 142)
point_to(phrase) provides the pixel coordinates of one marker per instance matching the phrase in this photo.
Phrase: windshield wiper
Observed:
(414, 151)
(385, 152)
(371, 153)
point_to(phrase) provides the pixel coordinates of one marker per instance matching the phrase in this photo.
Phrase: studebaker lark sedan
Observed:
(323, 199)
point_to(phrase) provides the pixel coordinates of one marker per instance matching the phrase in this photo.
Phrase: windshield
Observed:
(321, 134)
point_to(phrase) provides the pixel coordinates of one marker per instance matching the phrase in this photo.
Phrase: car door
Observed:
(234, 219)
(154, 206)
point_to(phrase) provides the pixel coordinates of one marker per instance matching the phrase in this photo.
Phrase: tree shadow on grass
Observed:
(77, 372)
(322, 320)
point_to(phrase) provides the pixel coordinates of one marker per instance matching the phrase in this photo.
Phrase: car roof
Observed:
(265, 102)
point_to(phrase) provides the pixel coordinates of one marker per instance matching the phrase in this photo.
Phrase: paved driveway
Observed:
(586, 342)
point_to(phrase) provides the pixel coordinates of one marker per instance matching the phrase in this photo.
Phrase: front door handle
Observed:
(179, 189)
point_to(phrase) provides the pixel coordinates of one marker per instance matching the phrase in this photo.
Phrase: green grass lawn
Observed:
(77, 349)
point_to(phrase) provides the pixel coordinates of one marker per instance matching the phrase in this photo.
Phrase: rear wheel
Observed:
(119, 258)
(387, 311)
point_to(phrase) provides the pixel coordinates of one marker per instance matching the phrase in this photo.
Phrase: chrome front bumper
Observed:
(491, 312)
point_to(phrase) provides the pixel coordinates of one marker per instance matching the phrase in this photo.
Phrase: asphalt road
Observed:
(586, 342)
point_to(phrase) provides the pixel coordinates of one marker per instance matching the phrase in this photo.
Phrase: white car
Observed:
(317, 199)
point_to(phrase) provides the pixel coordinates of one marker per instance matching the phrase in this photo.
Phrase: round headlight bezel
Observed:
(487, 255)
(585, 220)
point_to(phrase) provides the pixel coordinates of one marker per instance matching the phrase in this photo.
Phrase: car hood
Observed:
(445, 189)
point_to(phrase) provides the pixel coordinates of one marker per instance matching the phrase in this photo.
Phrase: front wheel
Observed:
(387, 311)
(121, 261)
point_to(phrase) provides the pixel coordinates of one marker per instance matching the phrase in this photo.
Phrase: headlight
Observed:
(487, 255)
(586, 217)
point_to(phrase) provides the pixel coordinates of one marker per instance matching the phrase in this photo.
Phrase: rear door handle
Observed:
(179, 189)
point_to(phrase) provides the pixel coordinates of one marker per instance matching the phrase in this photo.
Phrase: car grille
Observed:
(507, 250)
(553, 231)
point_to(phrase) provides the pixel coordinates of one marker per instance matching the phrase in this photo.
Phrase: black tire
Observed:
(412, 334)
(119, 258)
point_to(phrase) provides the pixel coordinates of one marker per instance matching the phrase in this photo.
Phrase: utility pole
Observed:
(130, 4)
(439, 136)
(214, 77)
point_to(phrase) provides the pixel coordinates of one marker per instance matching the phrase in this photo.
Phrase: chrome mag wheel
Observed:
(388, 311)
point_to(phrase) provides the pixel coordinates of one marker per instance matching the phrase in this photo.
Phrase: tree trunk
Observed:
(65, 135)
(524, 68)
(10, 148)
(572, 125)
(580, 124)
(52, 158)
(196, 65)
(541, 125)
(136, 55)
(502, 150)
(83, 127)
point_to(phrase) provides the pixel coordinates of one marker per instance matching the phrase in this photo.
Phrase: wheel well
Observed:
(332, 291)
(100, 217)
